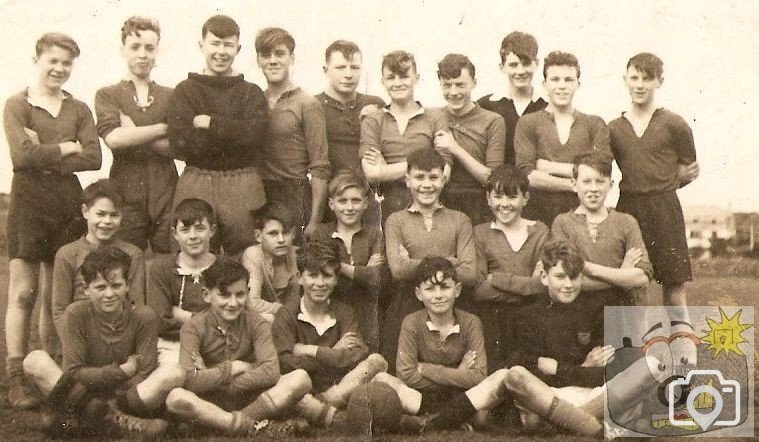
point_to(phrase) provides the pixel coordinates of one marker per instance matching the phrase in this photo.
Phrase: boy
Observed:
(508, 251)
(109, 353)
(519, 60)
(50, 135)
(423, 229)
(217, 124)
(655, 151)
(233, 381)
(131, 118)
(101, 208)
(173, 281)
(611, 244)
(474, 136)
(546, 141)
(321, 336)
(271, 263)
(361, 250)
(296, 143)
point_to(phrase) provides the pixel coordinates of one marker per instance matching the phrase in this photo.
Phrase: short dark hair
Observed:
(50, 39)
(597, 159)
(192, 210)
(102, 261)
(452, 64)
(648, 63)
(345, 47)
(272, 211)
(425, 159)
(561, 251)
(269, 38)
(135, 24)
(507, 179)
(429, 269)
(558, 58)
(346, 179)
(521, 44)
(399, 62)
(316, 255)
(222, 26)
(223, 273)
(103, 188)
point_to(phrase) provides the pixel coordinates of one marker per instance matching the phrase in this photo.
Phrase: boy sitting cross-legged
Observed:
(109, 350)
(233, 382)
(321, 336)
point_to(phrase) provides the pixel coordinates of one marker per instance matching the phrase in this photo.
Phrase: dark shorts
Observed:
(296, 196)
(500, 336)
(546, 206)
(44, 214)
(436, 399)
(661, 221)
(231, 402)
(470, 201)
(395, 196)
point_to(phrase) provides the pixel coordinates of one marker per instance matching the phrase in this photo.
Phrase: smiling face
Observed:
(458, 91)
(140, 52)
(219, 53)
(276, 64)
(507, 209)
(54, 66)
(343, 74)
(561, 83)
(438, 297)
(641, 86)
(227, 304)
(194, 239)
(400, 85)
(591, 187)
(103, 220)
(425, 186)
(562, 288)
(519, 74)
(349, 206)
(318, 286)
(108, 293)
(275, 240)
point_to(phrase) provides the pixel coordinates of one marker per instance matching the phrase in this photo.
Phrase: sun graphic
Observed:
(726, 334)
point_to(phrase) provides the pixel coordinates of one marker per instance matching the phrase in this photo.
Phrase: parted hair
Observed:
(521, 44)
(223, 273)
(561, 251)
(135, 24)
(399, 62)
(103, 261)
(103, 188)
(648, 63)
(50, 39)
(192, 210)
(451, 66)
(345, 47)
(269, 38)
(597, 159)
(222, 26)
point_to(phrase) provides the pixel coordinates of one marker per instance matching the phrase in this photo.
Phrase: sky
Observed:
(708, 48)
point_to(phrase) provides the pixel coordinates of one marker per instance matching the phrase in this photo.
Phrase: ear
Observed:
(526, 196)
(457, 289)
(331, 203)
(324, 68)
(418, 293)
(407, 178)
(212, 228)
(206, 295)
(200, 44)
(544, 277)
(238, 48)
(84, 210)
(661, 81)
(574, 183)
(258, 235)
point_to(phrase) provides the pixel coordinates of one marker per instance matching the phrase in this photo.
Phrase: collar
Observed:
(181, 270)
(419, 111)
(35, 100)
(456, 329)
(332, 101)
(336, 235)
(494, 226)
(412, 209)
(582, 211)
(469, 112)
(287, 93)
(320, 327)
(504, 92)
(230, 332)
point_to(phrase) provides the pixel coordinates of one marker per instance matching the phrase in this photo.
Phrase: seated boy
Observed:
(233, 382)
(508, 251)
(361, 249)
(610, 242)
(109, 353)
(101, 207)
(321, 336)
(271, 262)
(426, 228)
(173, 281)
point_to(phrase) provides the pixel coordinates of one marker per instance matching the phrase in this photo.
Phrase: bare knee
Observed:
(297, 381)
(517, 378)
(377, 360)
(172, 376)
(22, 294)
(180, 400)
(385, 378)
(37, 362)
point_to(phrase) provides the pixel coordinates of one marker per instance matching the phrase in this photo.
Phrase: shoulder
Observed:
(459, 217)
(593, 119)
(371, 99)
(468, 320)
(197, 322)
(486, 100)
(488, 115)
(162, 90)
(70, 251)
(621, 218)
(341, 310)
(482, 230)
(672, 118)
(323, 232)
(163, 263)
(397, 218)
(110, 90)
(78, 309)
(254, 253)
(540, 228)
(17, 99)
(412, 320)
(252, 88)
(133, 251)
(255, 320)
(144, 314)
(373, 231)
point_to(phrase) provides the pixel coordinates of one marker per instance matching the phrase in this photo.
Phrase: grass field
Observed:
(705, 290)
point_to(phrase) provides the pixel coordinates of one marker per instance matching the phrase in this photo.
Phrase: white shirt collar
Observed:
(432, 327)
(321, 327)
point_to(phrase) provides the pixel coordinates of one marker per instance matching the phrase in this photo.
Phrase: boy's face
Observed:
(561, 83)
(219, 53)
(458, 91)
(507, 209)
(438, 297)
(276, 64)
(103, 219)
(425, 186)
(228, 304)
(194, 239)
(140, 53)
(400, 86)
(54, 66)
(591, 187)
(561, 287)
(108, 293)
(318, 286)
(519, 74)
(343, 74)
(349, 206)
(641, 86)
(275, 240)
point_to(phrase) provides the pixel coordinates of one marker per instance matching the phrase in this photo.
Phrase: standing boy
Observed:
(546, 141)
(173, 281)
(473, 136)
(655, 151)
(519, 60)
(50, 135)
(233, 381)
(131, 118)
(296, 145)
(217, 124)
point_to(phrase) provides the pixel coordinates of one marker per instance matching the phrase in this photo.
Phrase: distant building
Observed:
(747, 229)
(704, 224)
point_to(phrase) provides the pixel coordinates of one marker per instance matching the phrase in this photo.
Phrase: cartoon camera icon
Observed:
(703, 390)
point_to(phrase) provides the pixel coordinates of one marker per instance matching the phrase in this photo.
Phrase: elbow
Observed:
(114, 142)
(640, 280)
